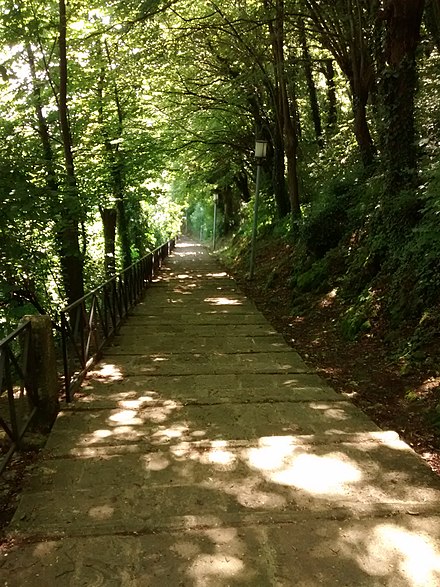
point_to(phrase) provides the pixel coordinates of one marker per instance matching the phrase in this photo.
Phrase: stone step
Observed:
(179, 282)
(110, 390)
(164, 320)
(172, 422)
(192, 331)
(166, 363)
(132, 344)
(279, 476)
(367, 551)
(210, 297)
(196, 290)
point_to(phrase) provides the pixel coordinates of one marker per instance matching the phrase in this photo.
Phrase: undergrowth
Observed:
(380, 258)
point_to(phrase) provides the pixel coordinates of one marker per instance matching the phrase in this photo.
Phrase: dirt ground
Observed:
(361, 370)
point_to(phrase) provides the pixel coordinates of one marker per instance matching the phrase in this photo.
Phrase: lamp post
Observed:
(214, 228)
(260, 154)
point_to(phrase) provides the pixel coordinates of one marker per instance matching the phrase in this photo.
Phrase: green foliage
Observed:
(327, 221)
(163, 114)
(357, 319)
(314, 279)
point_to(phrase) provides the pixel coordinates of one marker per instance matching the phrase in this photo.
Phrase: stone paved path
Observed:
(204, 452)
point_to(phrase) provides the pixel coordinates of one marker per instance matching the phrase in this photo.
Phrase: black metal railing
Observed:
(18, 390)
(88, 323)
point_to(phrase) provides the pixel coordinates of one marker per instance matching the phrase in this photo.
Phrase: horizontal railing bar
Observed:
(109, 281)
(15, 333)
(88, 323)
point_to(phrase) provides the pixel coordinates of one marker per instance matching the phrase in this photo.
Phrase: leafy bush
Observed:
(320, 275)
(357, 318)
(327, 222)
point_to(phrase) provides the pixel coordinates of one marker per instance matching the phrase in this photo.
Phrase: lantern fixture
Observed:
(260, 149)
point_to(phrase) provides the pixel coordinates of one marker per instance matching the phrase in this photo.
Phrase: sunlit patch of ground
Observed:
(223, 301)
(393, 549)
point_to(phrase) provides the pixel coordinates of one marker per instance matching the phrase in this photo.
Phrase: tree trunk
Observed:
(43, 129)
(71, 260)
(403, 20)
(108, 216)
(362, 133)
(230, 211)
(117, 167)
(138, 229)
(308, 72)
(332, 111)
(346, 35)
(286, 120)
(278, 174)
(432, 19)
(242, 183)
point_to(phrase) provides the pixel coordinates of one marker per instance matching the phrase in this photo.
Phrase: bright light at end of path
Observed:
(186, 245)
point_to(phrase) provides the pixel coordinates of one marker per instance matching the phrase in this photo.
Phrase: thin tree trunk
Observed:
(117, 168)
(108, 216)
(71, 260)
(276, 30)
(432, 19)
(332, 111)
(308, 72)
(278, 174)
(43, 128)
(355, 61)
(228, 204)
(242, 183)
(362, 133)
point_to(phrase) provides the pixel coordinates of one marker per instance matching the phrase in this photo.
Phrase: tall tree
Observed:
(71, 258)
(308, 72)
(286, 108)
(399, 81)
(346, 29)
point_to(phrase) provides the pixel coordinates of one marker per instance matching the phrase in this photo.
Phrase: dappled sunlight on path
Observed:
(202, 451)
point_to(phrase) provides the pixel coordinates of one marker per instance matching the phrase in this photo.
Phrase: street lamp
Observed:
(214, 228)
(260, 154)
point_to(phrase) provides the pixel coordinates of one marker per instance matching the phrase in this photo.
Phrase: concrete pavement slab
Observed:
(112, 390)
(212, 317)
(199, 363)
(132, 344)
(170, 422)
(213, 557)
(194, 330)
(279, 475)
(400, 551)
